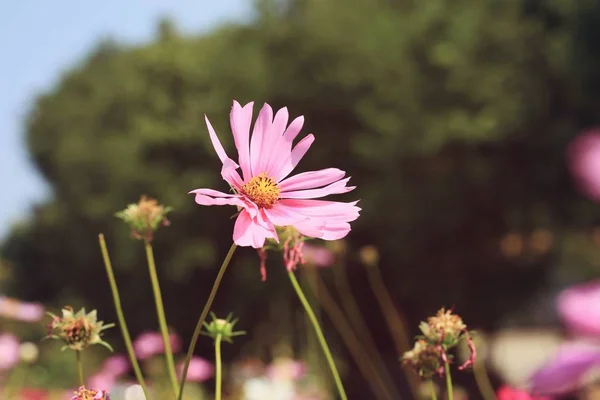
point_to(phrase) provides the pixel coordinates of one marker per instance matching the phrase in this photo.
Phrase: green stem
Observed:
(450, 392)
(433, 392)
(218, 367)
(162, 320)
(117, 300)
(320, 336)
(200, 323)
(483, 381)
(79, 367)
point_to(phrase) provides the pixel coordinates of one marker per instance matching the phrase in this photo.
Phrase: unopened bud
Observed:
(223, 328)
(145, 217)
(369, 256)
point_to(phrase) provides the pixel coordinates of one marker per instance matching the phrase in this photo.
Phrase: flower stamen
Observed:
(262, 190)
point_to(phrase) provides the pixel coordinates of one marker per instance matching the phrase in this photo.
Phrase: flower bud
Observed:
(78, 330)
(444, 328)
(369, 256)
(145, 217)
(223, 328)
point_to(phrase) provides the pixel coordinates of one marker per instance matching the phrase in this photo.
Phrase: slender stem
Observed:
(162, 320)
(483, 381)
(450, 392)
(433, 392)
(117, 300)
(347, 334)
(200, 323)
(320, 336)
(218, 367)
(79, 367)
(354, 315)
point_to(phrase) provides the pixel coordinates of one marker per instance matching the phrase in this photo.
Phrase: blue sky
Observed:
(39, 40)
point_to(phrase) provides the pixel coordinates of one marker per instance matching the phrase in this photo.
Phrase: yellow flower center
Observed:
(262, 190)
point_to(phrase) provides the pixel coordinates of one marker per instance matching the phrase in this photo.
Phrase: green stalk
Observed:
(320, 336)
(433, 392)
(203, 316)
(162, 320)
(79, 367)
(218, 367)
(120, 316)
(450, 392)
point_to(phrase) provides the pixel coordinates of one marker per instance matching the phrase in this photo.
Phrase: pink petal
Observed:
(240, 120)
(248, 232)
(261, 140)
(282, 148)
(330, 210)
(283, 169)
(335, 188)
(215, 141)
(273, 150)
(209, 197)
(230, 174)
(311, 179)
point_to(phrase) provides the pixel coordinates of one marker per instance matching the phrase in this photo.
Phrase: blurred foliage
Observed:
(452, 116)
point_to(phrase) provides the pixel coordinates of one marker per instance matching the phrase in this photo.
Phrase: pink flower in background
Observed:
(199, 370)
(583, 157)
(9, 351)
(148, 344)
(318, 256)
(579, 307)
(263, 194)
(21, 311)
(509, 393)
(33, 394)
(116, 365)
(286, 369)
(568, 370)
(103, 380)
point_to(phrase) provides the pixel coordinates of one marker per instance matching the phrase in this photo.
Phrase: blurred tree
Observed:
(451, 116)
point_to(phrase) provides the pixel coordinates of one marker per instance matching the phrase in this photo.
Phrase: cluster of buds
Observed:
(223, 328)
(291, 244)
(440, 334)
(145, 217)
(90, 394)
(78, 330)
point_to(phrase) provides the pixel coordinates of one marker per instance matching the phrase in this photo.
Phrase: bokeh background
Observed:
(452, 117)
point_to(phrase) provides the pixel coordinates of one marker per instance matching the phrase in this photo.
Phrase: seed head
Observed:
(78, 330)
(425, 358)
(444, 328)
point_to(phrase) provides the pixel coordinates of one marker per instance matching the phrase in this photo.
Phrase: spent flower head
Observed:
(425, 358)
(78, 330)
(222, 327)
(145, 217)
(444, 328)
(90, 394)
(290, 242)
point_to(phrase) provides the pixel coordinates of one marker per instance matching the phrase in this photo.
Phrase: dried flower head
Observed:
(444, 328)
(290, 243)
(222, 327)
(90, 394)
(425, 358)
(145, 217)
(78, 330)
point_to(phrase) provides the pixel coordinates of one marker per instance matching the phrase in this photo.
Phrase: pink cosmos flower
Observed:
(509, 393)
(116, 365)
(9, 351)
(149, 344)
(286, 369)
(264, 194)
(573, 367)
(579, 308)
(583, 158)
(199, 370)
(20, 311)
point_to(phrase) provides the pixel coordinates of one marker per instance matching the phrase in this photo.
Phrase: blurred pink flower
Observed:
(263, 194)
(318, 256)
(9, 351)
(579, 307)
(583, 158)
(116, 365)
(568, 370)
(509, 393)
(103, 380)
(286, 369)
(20, 310)
(199, 370)
(33, 394)
(148, 344)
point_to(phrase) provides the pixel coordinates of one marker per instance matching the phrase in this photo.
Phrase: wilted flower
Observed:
(20, 310)
(78, 330)
(425, 358)
(264, 197)
(9, 349)
(579, 308)
(90, 394)
(145, 217)
(199, 370)
(444, 328)
(222, 327)
(149, 344)
(575, 365)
